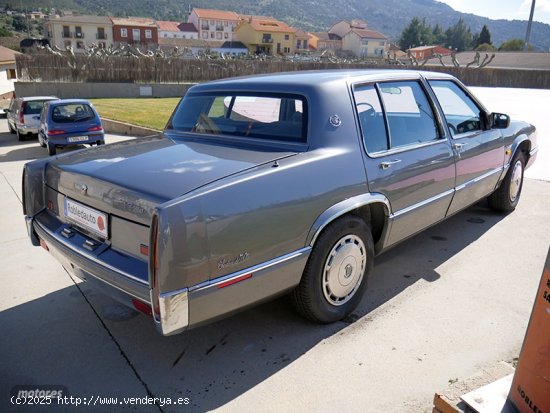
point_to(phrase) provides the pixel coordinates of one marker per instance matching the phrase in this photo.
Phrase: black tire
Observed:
(506, 196)
(20, 136)
(10, 128)
(41, 141)
(99, 143)
(346, 241)
(51, 148)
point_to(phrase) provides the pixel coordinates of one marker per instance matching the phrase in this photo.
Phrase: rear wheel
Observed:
(20, 136)
(51, 148)
(10, 128)
(41, 140)
(335, 277)
(506, 197)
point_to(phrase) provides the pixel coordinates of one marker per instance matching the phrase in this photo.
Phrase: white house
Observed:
(7, 76)
(214, 25)
(177, 30)
(80, 32)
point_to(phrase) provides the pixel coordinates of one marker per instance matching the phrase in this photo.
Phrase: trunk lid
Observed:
(130, 178)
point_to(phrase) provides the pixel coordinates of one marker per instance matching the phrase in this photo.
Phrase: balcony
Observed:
(267, 40)
(79, 35)
(67, 35)
(101, 36)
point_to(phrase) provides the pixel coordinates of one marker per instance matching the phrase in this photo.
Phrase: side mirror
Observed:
(500, 121)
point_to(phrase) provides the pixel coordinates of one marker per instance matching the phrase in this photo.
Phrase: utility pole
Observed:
(528, 34)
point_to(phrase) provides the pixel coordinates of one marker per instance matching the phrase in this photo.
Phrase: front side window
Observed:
(281, 118)
(411, 119)
(461, 112)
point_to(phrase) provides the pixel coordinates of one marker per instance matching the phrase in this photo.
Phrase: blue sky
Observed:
(503, 9)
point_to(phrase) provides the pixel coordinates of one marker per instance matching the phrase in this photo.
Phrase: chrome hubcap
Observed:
(515, 184)
(344, 269)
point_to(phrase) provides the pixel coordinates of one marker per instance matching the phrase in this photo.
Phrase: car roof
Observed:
(316, 78)
(68, 101)
(32, 98)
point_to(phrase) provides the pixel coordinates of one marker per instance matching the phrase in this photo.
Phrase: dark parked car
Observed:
(286, 183)
(66, 122)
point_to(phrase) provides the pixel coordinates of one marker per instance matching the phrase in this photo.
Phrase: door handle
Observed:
(458, 146)
(388, 164)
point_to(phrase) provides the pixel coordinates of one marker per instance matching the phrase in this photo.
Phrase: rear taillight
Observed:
(141, 306)
(22, 114)
(95, 129)
(153, 268)
(54, 132)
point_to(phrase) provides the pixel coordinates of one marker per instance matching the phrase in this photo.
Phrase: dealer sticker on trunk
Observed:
(87, 217)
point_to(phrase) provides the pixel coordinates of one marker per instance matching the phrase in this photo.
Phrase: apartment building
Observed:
(214, 25)
(80, 32)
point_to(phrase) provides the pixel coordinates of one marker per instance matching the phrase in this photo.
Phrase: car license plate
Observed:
(87, 217)
(77, 139)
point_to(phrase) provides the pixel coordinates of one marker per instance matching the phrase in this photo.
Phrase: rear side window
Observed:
(268, 117)
(410, 116)
(371, 118)
(72, 112)
(33, 107)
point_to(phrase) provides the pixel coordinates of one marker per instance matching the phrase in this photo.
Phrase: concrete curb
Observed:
(121, 128)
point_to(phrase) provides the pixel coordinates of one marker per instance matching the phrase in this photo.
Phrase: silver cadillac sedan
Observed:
(267, 185)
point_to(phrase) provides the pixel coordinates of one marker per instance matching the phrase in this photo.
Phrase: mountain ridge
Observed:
(386, 16)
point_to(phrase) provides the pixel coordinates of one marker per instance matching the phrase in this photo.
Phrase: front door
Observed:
(409, 160)
(136, 35)
(479, 152)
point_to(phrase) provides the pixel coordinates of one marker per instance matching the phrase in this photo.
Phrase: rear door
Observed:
(409, 159)
(479, 151)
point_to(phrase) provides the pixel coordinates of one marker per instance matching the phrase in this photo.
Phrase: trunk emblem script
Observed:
(83, 188)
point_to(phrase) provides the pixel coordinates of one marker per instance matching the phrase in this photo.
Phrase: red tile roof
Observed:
(133, 21)
(216, 14)
(168, 26)
(270, 25)
(7, 55)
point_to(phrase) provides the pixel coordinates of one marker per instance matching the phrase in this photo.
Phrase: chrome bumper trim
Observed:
(256, 268)
(174, 312)
(89, 256)
(534, 151)
(30, 231)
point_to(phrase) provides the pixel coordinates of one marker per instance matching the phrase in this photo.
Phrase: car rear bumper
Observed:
(25, 129)
(180, 309)
(63, 139)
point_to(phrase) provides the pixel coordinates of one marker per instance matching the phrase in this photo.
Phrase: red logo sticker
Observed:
(100, 223)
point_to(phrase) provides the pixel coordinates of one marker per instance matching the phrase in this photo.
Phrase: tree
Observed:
(19, 23)
(417, 33)
(4, 32)
(459, 36)
(513, 45)
(438, 35)
(484, 36)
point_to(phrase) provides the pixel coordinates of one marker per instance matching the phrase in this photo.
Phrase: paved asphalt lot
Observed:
(444, 305)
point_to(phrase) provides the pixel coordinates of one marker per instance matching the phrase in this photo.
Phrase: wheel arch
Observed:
(521, 143)
(373, 208)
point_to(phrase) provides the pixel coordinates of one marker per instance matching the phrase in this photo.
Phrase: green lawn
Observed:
(152, 113)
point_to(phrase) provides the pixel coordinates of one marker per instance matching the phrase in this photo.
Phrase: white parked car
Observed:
(24, 115)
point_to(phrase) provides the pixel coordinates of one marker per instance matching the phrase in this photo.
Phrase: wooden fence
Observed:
(44, 67)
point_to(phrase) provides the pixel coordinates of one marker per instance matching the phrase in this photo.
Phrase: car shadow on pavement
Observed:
(217, 363)
(27, 150)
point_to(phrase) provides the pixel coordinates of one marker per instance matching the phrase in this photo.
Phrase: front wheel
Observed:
(506, 196)
(336, 274)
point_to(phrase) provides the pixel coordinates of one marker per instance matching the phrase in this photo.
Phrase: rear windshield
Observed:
(273, 117)
(33, 107)
(72, 112)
